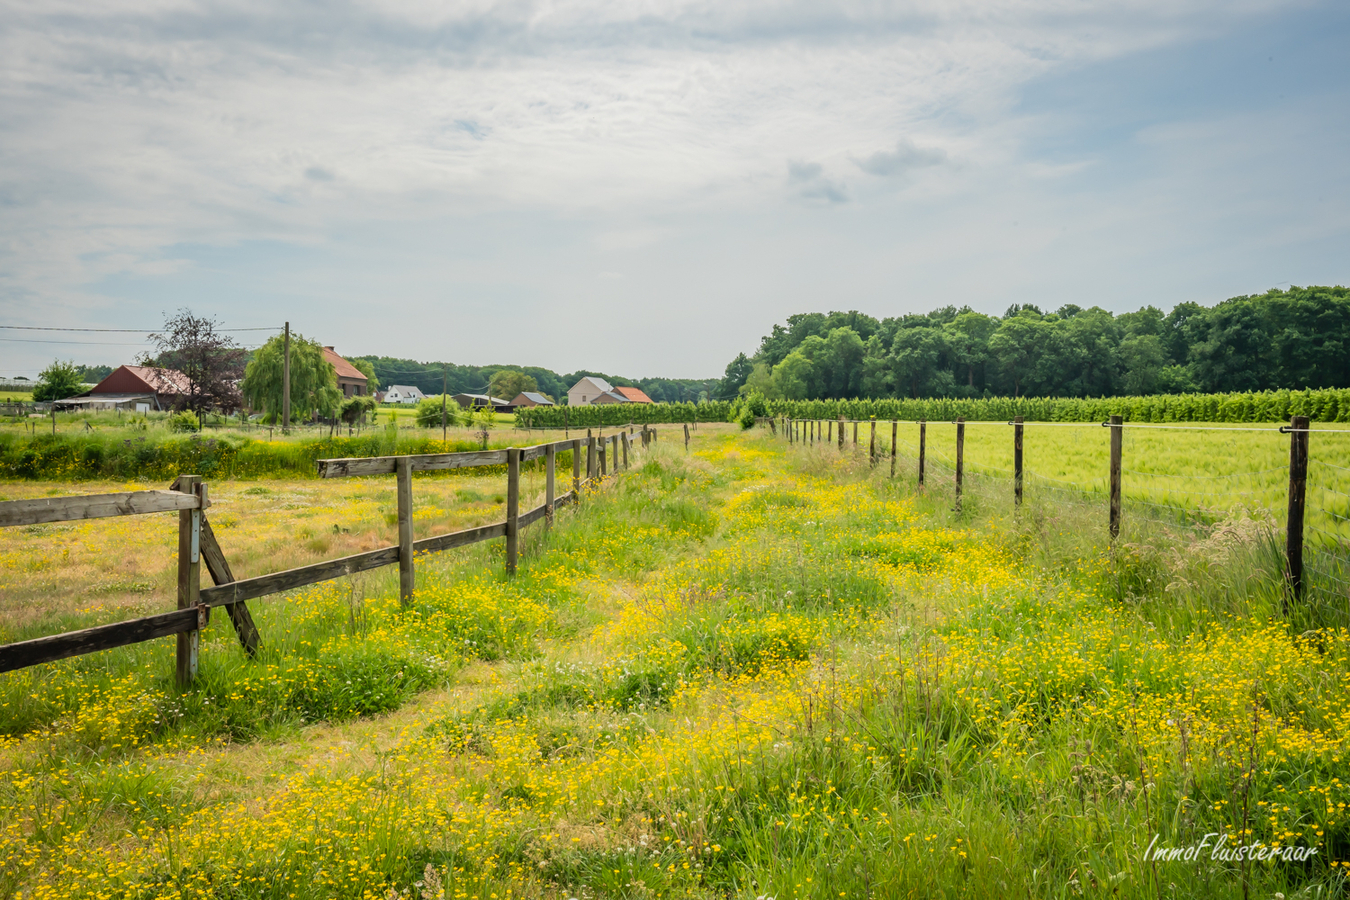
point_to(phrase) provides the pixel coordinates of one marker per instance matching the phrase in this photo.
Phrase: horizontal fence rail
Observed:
(95, 506)
(605, 454)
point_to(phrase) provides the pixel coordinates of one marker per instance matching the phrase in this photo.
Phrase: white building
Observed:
(403, 393)
(584, 392)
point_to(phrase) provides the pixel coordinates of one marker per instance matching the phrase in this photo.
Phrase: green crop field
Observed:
(746, 670)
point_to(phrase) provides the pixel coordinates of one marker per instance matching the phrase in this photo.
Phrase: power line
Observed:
(81, 343)
(126, 330)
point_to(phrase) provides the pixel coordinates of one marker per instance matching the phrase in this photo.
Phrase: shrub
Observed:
(429, 412)
(184, 421)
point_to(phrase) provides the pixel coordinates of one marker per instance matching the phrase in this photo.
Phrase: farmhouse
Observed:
(138, 388)
(350, 380)
(584, 392)
(592, 391)
(403, 393)
(530, 398)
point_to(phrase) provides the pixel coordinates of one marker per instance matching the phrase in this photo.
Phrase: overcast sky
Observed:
(646, 187)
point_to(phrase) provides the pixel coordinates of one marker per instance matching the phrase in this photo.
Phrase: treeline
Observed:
(616, 414)
(1294, 339)
(427, 377)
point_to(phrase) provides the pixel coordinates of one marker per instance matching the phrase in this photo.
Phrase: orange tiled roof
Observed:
(634, 395)
(344, 369)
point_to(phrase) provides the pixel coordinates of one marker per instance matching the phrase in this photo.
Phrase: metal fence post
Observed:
(1116, 434)
(872, 442)
(895, 427)
(1298, 485)
(923, 433)
(960, 458)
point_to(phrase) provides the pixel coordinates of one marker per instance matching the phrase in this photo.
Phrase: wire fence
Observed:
(1194, 477)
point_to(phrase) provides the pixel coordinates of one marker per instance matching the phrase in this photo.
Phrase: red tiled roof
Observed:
(634, 395)
(131, 379)
(344, 369)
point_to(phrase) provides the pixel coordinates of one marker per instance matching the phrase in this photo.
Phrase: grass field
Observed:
(1194, 472)
(752, 671)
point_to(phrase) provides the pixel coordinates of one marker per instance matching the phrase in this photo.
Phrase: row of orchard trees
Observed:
(616, 414)
(1330, 405)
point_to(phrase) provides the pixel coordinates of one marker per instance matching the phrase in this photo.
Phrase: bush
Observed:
(184, 421)
(429, 412)
(356, 407)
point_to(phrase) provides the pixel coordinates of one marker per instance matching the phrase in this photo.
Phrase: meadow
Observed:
(752, 670)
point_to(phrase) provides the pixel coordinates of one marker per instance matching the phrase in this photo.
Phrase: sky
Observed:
(645, 188)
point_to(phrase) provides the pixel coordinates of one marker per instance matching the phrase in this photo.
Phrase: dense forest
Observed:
(426, 377)
(1299, 338)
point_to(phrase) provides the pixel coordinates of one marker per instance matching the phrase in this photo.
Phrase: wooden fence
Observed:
(813, 431)
(197, 544)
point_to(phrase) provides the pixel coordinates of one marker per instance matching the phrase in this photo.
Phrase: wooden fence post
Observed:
(590, 455)
(1116, 433)
(625, 451)
(600, 457)
(923, 431)
(895, 427)
(686, 437)
(855, 435)
(872, 445)
(1298, 485)
(512, 509)
(576, 469)
(1017, 461)
(960, 458)
(841, 433)
(189, 580)
(550, 464)
(406, 581)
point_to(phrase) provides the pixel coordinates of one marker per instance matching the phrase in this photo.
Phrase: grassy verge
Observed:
(745, 672)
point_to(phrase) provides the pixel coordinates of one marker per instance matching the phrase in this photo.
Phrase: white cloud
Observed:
(130, 129)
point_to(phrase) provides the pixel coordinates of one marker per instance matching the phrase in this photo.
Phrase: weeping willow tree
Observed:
(313, 380)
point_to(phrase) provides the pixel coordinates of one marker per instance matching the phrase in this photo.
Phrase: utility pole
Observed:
(286, 383)
(444, 381)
